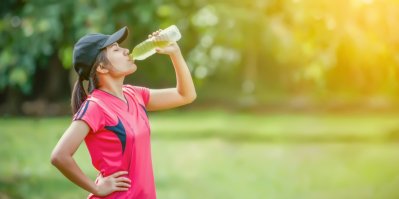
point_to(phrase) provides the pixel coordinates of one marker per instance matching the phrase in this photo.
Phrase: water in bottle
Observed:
(147, 47)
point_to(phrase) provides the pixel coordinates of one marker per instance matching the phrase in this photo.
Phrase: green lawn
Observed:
(219, 154)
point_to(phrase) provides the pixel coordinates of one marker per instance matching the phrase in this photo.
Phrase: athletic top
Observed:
(119, 138)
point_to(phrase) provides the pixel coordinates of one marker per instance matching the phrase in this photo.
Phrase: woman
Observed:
(112, 119)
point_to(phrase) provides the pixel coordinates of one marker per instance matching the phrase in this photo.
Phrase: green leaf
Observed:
(65, 55)
(18, 76)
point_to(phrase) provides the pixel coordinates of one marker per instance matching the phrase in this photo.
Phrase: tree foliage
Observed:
(256, 48)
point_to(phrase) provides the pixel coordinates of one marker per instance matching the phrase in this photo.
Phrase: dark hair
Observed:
(79, 94)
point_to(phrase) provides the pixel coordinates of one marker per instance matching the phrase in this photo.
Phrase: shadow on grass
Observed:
(21, 187)
(390, 136)
(8, 188)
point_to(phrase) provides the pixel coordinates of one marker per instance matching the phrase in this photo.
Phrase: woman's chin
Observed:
(133, 69)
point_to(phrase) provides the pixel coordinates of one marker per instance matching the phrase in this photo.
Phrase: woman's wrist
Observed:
(95, 190)
(175, 54)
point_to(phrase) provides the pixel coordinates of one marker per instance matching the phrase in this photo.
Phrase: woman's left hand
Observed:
(171, 49)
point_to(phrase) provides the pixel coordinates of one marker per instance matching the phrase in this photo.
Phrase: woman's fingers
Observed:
(119, 173)
(156, 33)
(121, 189)
(122, 184)
(159, 50)
(123, 179)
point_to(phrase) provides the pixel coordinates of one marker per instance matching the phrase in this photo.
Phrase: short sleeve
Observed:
(142, 92)
(92, 114)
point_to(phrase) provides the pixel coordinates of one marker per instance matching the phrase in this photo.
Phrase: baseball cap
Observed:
(89, 46)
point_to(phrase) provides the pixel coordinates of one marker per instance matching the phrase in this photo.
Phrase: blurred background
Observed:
(296, 98)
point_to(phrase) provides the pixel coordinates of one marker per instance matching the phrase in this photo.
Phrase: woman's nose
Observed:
(127, 51)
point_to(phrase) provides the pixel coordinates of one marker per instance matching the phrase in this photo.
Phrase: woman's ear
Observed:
(101, 69)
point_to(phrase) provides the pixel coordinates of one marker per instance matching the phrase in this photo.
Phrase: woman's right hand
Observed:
(112, 183)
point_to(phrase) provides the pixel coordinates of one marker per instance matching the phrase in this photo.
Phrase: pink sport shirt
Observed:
(119, 138)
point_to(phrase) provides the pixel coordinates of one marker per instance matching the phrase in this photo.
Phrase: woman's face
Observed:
(121, 63)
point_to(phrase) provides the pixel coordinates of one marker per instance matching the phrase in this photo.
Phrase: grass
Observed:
(219, 154)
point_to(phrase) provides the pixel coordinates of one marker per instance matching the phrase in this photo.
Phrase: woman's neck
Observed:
(113, 87)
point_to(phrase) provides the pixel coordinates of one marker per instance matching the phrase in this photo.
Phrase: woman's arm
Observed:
(61, 158)
(184, 93)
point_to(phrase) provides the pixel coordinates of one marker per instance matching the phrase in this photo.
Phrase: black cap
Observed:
(89, 46)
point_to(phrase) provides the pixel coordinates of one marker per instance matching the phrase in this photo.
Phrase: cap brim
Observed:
(119, 36)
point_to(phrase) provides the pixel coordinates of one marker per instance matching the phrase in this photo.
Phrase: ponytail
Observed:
(78, 95)
(93, 81)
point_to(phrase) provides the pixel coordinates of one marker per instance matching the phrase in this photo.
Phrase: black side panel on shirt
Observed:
(119, 130)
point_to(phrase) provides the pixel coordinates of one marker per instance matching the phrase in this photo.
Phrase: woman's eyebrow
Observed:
(114, 44)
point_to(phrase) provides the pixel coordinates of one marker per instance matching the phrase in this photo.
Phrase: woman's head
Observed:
(96, 56)
(117, 62)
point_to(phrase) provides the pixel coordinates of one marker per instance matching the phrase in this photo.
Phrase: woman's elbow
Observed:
(191, 98)
(56, 158)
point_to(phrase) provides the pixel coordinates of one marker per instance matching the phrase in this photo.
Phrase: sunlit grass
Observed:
(218, 154)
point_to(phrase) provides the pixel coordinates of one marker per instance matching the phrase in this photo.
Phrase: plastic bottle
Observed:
(147, 47)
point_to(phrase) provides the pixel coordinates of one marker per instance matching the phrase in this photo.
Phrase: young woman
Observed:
(112, 119)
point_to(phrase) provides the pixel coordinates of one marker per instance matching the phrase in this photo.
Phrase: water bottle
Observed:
(147, 47)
